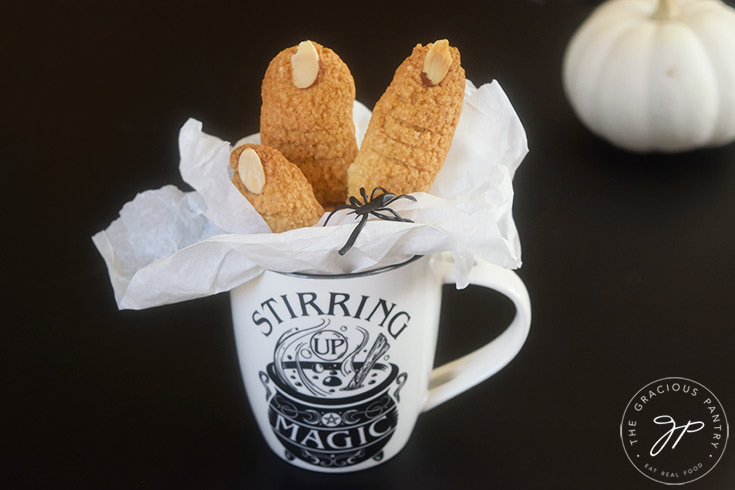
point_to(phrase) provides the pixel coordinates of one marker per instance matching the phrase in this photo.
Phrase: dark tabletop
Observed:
(628, 259)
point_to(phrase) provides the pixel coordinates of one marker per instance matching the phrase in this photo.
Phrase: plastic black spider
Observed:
(375, 205)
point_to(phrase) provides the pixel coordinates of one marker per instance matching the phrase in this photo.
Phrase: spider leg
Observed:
(403, 196)
(395, 217)
(353, 235)
(338, 208)
(379, 213)
(375, 191)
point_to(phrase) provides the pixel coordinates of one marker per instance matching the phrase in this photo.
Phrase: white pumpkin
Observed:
(655, 75)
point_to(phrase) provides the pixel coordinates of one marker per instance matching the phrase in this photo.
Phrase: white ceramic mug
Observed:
(338, 367)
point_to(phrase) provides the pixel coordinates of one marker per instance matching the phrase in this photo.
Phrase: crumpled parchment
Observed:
(169, 246)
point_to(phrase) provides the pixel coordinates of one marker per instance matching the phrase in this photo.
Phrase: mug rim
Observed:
(346, 275)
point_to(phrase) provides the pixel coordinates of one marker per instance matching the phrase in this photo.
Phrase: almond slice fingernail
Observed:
(305, 65)
(251, 171)
(436, 63)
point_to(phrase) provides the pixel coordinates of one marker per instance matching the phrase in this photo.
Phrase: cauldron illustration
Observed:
(342, 429)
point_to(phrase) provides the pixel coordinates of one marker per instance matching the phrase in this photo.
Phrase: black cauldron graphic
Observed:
(340, 430)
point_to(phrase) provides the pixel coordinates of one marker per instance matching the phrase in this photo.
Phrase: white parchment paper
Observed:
(169, 246)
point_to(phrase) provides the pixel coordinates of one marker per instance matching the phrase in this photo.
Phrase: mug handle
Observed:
(452, 378)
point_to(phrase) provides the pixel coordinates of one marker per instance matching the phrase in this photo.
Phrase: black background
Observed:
(628, 259)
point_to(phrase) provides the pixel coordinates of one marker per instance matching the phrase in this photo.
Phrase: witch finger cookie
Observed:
(307, 98)
(413, 123)
(275, 187)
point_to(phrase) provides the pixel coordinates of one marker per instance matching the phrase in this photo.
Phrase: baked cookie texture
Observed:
(281, 194)
(411, 127)
(313, 126)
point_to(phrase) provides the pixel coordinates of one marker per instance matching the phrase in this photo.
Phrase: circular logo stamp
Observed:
(674, 431)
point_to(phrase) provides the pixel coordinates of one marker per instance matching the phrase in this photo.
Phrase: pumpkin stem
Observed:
(666, 10)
